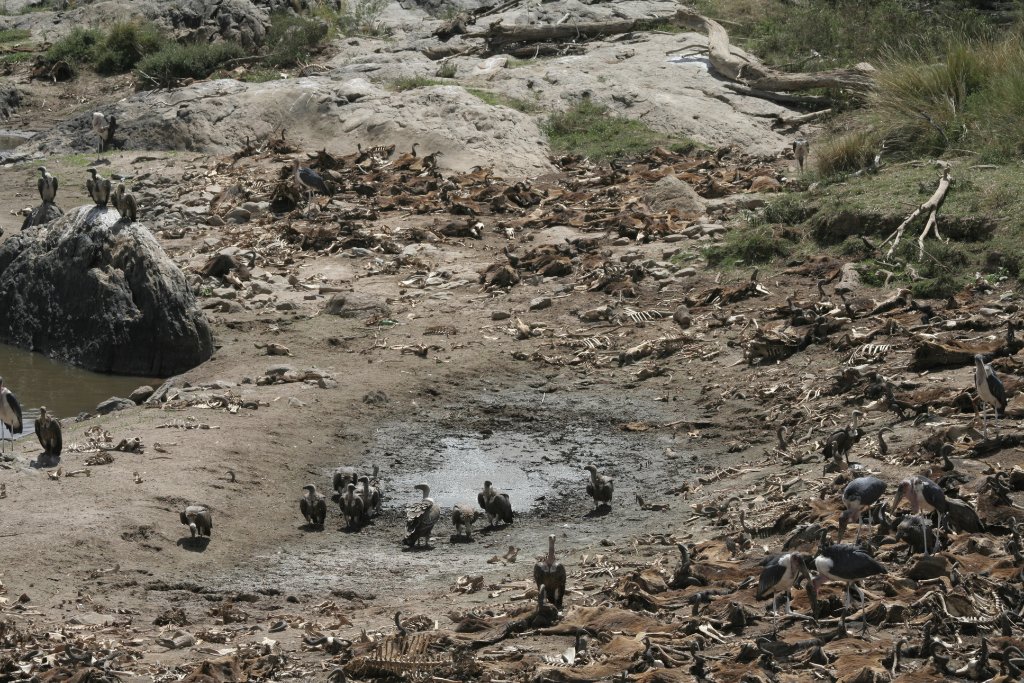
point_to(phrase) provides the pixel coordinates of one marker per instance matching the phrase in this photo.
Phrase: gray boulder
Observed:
(101, 294)
(114, 403)
(42, 214)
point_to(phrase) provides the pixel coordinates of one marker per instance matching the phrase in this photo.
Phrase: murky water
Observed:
(11, 139)
(510, 462)
(64, 390)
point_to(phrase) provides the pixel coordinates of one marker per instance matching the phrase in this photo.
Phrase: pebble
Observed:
(540, 303)
(500, 315)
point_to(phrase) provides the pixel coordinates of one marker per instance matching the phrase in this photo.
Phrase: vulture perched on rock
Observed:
(99, 188)
(549, 574)
(600, 487)
(198, 520)
(496, 504)
(420, 518)
(313, 506)
(463, 516)
(48, 433)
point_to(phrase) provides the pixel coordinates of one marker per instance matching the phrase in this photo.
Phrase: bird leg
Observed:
(789, 608)
(924, 536)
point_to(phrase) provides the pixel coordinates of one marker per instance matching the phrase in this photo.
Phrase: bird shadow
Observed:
(195, 544)
(309, 526)
(600, 511)
(490, 528)
(42, 460)
(417, 548)
(457, 538)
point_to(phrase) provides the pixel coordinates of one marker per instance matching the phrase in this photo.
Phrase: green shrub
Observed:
(590, 129)
(195, 60)
(360, 17)
(846, 152)
(447, 70)
(77, 49)
(941, 287)
(747, 247)
(292, 39)
(126, 44)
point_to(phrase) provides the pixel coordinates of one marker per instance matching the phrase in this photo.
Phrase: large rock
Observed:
(101, 294)
(42, 214)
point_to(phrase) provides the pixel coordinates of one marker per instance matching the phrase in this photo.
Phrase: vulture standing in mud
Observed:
(496, 504)
(549, 575)
(351, 507)
(10, 414)
(600, 487)
(463, 516)
(47, 186)
(343, 476)
(98, 187)
(420, 518)
(313, 506)
(370, 496)
(198, 520)
(48, 433)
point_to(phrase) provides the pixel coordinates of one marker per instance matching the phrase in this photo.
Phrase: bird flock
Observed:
(100, 189)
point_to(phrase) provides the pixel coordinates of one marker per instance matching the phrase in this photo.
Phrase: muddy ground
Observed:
(96, 560)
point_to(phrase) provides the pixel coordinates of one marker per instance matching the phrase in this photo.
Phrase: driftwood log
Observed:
(743, 69)
(931, 207)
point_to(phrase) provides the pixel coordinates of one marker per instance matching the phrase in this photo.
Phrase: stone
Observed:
(681, 316)
(142, 394)
(287, 306)
(764, 183)
(114, 403)
(671, 193)
(350, 305)
(500, 315)
(540, 303)
(237, 215)
(100, 294)
(215, 221)
(689, 271)
(327, 383)
(42, 214)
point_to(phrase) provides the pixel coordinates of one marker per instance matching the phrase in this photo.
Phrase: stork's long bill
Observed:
(551, 550)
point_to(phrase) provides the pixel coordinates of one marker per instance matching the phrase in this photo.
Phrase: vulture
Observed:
(496, 504)
(549, 574)
(125, 204)
(98, 187)
(420, 518)
(343, 476)
(313, 506)
(463, 516)
(48, 433)
(198, 520)
(47, 186)
(352, 507)
(10, 413)
(370, 496)
(600, 487)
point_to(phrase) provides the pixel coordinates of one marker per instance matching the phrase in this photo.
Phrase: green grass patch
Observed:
(497, 100)
(16, 57)
(291, 38)
(176, 62)
(823, 34)
(745, 246)
(258, 76)
(413, 82)
(14, 35)
(447, 70)
(590, 129)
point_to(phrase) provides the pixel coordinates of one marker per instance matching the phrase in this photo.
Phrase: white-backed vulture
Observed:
(198, 520)
(549, 575)
(496, 504)
(463, 516)
(600, 487)
(49, 434)
(352, 507)
(420, 518)
(313, 506)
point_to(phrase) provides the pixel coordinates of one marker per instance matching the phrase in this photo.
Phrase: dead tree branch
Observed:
(932, 208)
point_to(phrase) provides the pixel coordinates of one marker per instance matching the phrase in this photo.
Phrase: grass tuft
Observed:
(413, 82)
(14, 35)
(592, 130)
(747, 246)
(497, 100)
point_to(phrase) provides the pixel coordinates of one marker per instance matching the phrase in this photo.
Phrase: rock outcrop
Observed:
(99, 293)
